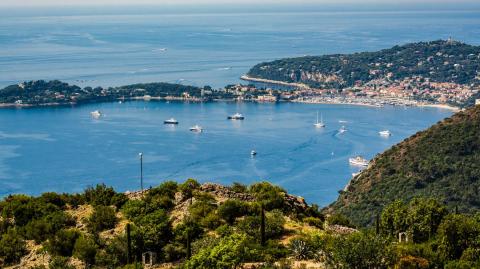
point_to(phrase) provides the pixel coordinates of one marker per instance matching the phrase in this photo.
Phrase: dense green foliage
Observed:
(182, 223)
(441, 162)
(102, 218)
(437, 58)
(217, 233)
(48, 92)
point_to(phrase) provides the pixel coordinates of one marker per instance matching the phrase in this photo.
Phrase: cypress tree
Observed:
(262, 226)
(189, 248)
(129, 244)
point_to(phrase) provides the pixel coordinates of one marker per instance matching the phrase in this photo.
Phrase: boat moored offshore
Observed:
(358, 161)
(96, 114)
(385, 133)
(170, 121)
(236, 116)
(319, 124)
(196, 128)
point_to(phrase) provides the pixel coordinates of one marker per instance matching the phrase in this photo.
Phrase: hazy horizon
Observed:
(40, 3)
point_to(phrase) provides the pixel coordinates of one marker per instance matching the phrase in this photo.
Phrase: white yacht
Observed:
(96, 114)
(253, 153)
(358, 161)
(319, 124)
(196, 128)
(385, 133)
(342, 130)
(170, 121)
(236, 116)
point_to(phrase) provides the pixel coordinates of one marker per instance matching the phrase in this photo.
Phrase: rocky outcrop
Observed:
(221, 191)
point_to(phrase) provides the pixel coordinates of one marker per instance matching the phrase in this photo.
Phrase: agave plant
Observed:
(300, 249)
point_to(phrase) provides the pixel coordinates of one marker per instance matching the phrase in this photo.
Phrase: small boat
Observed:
(170, 121)
(236, 116)
(342, 130)
(356, 174)
(385, 133)
(253, 153)
(342, 121)
(319, 124)
(196, 128)
(96, 114)
(358, 161)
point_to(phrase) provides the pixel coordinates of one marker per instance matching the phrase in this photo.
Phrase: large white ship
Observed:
(358, 161)
(385, 133)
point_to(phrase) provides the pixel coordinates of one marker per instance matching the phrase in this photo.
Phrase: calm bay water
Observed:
(64, 149)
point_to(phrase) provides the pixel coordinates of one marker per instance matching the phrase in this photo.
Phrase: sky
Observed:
(221, 2)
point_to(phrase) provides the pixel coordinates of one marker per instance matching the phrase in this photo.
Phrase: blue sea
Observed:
(65, 150)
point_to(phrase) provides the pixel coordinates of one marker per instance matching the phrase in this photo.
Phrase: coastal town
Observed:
(414, 91)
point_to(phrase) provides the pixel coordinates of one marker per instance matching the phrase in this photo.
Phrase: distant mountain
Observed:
(438, 61)
(441, 162)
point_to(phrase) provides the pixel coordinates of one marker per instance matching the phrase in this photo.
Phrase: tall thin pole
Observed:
(141, 171)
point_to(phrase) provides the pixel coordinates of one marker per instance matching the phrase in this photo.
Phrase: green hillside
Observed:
(442, 162)
(439, 61)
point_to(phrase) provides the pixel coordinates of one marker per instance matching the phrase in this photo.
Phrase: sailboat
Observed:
(319, 124)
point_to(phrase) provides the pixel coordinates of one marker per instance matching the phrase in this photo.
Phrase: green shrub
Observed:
(46, 227)
(272, 197)
(312, 221)
(363, 250)
(102, 218)
(59, 262)
(274, 222)
(53, 198)
(63, 242)
(100, 195)
(134, 209)
(339, 219)
(155, 229)
(456, 234)
(211, 221)
(227, 253)
(85, 249)
(232, 209)
(12, 247)
(188, 187)
(239, 187)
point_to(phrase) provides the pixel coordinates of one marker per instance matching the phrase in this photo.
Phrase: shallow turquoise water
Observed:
(64, 149)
